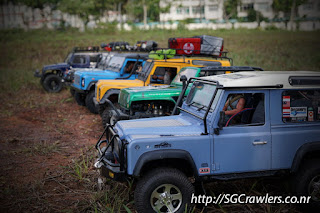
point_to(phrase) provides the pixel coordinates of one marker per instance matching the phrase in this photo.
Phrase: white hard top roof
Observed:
(263, 79)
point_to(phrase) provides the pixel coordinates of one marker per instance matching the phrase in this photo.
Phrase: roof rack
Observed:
(232, 68)
(86, 49)
(168, 56)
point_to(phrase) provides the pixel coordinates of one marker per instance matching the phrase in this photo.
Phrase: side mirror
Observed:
(184, 79)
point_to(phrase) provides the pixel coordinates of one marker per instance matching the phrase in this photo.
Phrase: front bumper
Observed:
(111, 172)
(78, 90)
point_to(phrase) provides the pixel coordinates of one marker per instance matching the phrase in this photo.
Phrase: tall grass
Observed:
(23, 52)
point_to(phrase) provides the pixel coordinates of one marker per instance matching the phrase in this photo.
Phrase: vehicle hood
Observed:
(105, 85)
(56, 66)
(97, 73)
(151, 92)
(168, 126)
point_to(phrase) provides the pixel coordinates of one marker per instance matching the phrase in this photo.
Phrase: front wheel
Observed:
(109, 116)
(307, 183)
(80, 98)
(52, 83)
(163, 190)
(90, 104)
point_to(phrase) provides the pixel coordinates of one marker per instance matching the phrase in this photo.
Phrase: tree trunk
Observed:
(145, 10)
(292, 15)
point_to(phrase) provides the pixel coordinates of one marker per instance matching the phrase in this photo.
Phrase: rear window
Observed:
(300, 106)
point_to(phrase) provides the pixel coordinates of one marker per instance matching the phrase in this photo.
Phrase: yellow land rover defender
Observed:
(153, 73)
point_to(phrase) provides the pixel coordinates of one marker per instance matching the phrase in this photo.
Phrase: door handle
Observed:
(259, 142)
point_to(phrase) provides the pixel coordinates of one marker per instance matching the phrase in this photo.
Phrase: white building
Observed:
(213, 9)
(199, 9)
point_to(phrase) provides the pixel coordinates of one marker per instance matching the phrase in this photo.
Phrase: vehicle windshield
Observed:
(116, 63)
(188, 72)
(200, 95)
(67, 59)
(143, 74)
(104, 62)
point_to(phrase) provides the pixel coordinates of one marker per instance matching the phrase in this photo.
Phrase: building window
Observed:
(179, 10)
(213, 8)
(308, 6)
(301, 106)
(198, 10)
(246, 7)
(186, 10)
(263, 6)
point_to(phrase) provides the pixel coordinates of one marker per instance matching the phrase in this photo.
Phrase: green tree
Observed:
(230, 8)
(288, 7)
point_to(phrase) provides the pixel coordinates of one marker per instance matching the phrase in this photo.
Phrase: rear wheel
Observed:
(307, 183)
(52, 83)
(80, 98)
(90, 104)
(163, 190)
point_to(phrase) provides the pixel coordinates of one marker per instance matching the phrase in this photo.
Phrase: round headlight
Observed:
(82, 82)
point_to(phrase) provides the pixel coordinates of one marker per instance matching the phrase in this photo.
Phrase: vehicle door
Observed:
(244, 143)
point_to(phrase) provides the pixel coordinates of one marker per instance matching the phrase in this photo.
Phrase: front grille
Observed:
(123, 98)
(76, 79)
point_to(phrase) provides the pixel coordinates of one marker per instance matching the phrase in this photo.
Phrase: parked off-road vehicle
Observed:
(107, 91)
(120, 66)
(277, 132)
(102, 64)
(154, 101)
(51, 76)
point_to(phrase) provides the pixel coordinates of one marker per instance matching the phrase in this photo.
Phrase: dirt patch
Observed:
(41, 137)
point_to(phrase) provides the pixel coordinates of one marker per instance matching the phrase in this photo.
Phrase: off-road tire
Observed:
(106, 116)
(52, 83)
(90, 104)
(156, 178)
(80, 98)
(308, 173)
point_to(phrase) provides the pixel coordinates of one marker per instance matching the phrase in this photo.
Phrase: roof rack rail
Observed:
(86, 49)
(232, 68)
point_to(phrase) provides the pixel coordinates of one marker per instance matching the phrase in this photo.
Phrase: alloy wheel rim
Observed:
(166, 198)
(314, 188)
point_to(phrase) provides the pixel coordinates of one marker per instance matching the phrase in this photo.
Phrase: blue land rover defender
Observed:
(51, 76)
(276, 131)
(120, 66)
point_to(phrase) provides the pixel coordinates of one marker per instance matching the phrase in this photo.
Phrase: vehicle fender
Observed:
(92, 84)
(162, 155)
(305, 149)
(108, 94)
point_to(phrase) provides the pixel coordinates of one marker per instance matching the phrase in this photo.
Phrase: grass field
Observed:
(55, 137)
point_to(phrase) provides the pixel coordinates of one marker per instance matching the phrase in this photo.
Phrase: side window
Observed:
(79, 59)
(129, 66)
(94, 58)
(244, 109)
(300, 106)
(164, 75)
